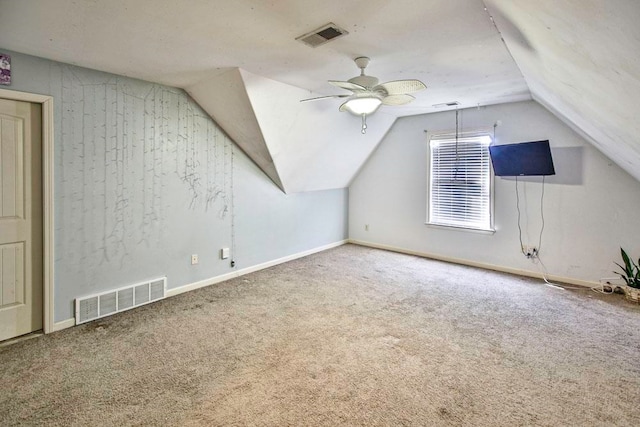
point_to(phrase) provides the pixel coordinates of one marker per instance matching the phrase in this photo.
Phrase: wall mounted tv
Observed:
(524, 158)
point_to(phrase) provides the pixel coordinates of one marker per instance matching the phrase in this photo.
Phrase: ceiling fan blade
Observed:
(347, 85)
(398, 87)
(324, 97)
(400, 99)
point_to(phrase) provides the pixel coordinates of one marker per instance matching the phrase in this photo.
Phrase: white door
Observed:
(20, 218)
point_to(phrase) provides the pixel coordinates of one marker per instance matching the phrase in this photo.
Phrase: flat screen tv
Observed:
(522, 159)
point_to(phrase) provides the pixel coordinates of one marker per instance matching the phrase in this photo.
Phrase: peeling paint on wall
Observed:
(126, 144)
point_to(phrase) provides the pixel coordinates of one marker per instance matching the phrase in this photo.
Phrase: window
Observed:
(460, 181)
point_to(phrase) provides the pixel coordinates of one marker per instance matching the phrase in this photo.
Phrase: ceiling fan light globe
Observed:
(363, 105)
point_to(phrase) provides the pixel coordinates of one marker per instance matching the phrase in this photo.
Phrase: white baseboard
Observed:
(527, 273)
(58, 326)
(213, 280)
(254, 268)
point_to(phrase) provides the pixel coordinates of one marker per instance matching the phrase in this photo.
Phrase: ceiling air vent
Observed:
(447, 104)
(322, 35)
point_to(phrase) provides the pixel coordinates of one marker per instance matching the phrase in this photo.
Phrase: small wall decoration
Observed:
(5, 69)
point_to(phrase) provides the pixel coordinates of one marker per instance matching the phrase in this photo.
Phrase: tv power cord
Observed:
(534, 256)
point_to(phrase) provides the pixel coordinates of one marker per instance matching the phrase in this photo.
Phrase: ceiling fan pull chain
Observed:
(364, 124)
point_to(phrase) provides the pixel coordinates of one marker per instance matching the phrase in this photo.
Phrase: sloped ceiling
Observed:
(241, 62)
(300, 146)
(581, 60)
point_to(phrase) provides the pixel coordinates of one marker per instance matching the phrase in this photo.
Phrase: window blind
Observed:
(460, 182)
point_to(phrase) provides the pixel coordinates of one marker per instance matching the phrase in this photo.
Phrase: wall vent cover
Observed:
(322, 35)
(104, 304)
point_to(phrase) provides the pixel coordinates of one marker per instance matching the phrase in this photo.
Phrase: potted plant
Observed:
(631, 276)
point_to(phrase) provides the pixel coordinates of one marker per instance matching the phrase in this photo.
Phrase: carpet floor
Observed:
(349, 336)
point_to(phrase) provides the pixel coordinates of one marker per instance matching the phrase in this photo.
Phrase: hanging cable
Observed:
(455, 172)
(233, 211)
(519, 227)
(545, 273)
(535, 254)
(545, 276)
(541, 216)
(495, 125)
(539, 247)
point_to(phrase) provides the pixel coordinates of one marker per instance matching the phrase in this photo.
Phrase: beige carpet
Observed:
(350, 336)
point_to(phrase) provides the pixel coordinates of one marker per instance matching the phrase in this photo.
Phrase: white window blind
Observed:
(460, 182)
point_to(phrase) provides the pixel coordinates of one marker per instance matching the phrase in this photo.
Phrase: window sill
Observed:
(454, 228)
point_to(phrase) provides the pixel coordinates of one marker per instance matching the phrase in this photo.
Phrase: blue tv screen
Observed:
(524, 158)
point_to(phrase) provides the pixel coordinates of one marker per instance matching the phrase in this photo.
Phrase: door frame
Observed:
(46, 101)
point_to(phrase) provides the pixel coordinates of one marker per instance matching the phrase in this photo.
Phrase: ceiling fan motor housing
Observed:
(367, 81)
(363, 80)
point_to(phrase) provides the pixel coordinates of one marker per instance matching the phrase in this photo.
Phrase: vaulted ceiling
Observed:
(241, 62)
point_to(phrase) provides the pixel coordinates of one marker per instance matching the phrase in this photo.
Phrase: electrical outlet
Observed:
(194, 259)
(224, 253)
(530, 251)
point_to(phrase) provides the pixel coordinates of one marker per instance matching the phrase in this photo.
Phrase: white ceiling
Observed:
(583, 64)
(576, 57)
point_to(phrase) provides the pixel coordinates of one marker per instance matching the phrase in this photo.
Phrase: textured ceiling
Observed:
(241, 62)
(581, 60)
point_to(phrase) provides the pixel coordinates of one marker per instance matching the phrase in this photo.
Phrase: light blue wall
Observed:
(144, 178)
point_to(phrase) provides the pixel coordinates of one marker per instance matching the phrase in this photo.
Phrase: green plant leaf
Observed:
(622, 276)
(631, 270)
(625, 270)
(627, 262)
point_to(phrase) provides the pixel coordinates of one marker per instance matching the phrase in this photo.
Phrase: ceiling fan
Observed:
(368, 95)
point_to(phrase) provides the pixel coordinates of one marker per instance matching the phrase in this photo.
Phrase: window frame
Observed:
(449, 137)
